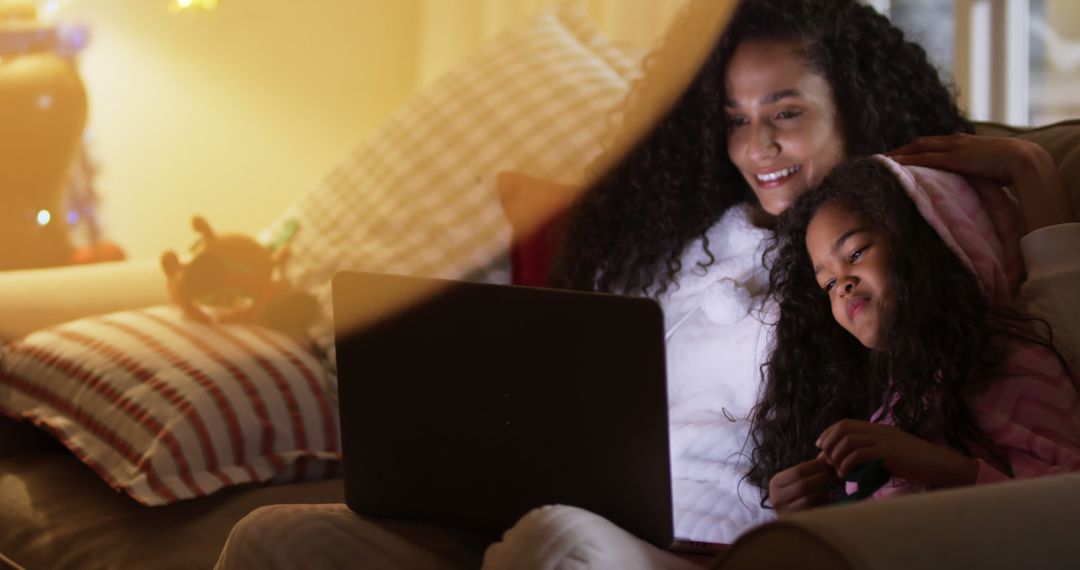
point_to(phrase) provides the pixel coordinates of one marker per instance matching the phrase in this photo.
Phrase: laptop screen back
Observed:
(470, 404)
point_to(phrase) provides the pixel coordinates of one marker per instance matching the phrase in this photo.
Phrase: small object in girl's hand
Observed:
(868, 477)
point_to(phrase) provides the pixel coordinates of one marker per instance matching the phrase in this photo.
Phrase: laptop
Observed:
(469, 404)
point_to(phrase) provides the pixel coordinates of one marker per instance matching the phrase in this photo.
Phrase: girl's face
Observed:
(850, 260)
(784, 133)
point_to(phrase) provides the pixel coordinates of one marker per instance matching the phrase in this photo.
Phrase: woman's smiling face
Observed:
(784, 132)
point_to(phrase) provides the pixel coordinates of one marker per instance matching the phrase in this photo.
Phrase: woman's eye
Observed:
(789, 114)
(733, 122)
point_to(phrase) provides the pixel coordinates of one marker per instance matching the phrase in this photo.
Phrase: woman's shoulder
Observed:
(731, 249)
(738, 222)
(734, 239)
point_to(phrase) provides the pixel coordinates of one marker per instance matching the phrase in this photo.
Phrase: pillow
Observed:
(415, 198)
(534, 208)
(165, 409)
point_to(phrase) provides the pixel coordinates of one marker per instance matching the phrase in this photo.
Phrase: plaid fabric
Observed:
(418, 197)
(165, 409)
(573, 15)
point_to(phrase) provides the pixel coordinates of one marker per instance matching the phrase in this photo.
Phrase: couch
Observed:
(397, 204)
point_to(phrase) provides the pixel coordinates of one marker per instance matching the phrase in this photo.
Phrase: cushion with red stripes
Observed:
(166, 409)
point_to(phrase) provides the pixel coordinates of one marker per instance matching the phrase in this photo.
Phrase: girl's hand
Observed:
(850, 443)
(802, 486)
(1024, 165)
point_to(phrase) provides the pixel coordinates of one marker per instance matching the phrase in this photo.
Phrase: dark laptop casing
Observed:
(472, 403)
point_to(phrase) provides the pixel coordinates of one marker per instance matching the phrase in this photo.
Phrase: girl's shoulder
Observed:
(1031, 411)
(1029, 359)
(1031, 379)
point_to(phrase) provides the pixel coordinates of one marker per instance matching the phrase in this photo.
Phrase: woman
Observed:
(792, 89)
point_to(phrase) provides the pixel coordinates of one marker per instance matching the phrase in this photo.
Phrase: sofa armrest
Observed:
(1029, 523)
(37, 298)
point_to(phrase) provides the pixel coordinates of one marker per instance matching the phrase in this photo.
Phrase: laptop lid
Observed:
(469, 404)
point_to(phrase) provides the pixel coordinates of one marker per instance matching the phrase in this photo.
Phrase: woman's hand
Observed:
(802, 486)
(850, 443)
(1024, 165)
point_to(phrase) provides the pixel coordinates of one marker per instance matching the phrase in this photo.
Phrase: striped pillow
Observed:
(167, 409)
(416, 198)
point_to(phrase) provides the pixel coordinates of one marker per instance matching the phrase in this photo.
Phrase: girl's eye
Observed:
(855, 255)
(734, 122)
(788, 114)
(828, 286)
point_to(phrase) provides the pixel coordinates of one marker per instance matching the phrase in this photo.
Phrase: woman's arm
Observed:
(1020, 164)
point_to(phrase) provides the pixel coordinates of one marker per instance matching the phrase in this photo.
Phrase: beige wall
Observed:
(1064, 15)
(232, 114)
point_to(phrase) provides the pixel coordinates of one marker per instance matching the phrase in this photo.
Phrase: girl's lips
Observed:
(855, 306)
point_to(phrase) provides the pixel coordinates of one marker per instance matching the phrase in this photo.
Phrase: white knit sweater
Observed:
(717, 339)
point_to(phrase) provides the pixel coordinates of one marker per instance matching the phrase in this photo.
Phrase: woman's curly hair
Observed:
(629, 231)
(940, 339)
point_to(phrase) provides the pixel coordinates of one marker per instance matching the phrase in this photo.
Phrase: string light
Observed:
(177, 6)
(44, 217)
(48, 9)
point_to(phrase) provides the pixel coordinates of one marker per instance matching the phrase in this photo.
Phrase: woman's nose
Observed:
(763, 143)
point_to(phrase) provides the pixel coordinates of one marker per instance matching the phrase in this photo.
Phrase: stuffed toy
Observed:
(233, 278)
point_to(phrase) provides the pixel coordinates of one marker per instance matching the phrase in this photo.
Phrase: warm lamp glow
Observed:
(44, 217)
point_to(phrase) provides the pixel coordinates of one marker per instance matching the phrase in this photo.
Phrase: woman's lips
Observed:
(855, 306)
(774, 178)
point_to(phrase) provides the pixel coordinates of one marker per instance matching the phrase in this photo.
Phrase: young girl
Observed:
(895, 342)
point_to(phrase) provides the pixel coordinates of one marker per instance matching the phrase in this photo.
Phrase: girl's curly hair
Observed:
(629, 231)
(940, 340)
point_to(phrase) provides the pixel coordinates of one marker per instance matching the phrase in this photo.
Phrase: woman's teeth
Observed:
(778, 174)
